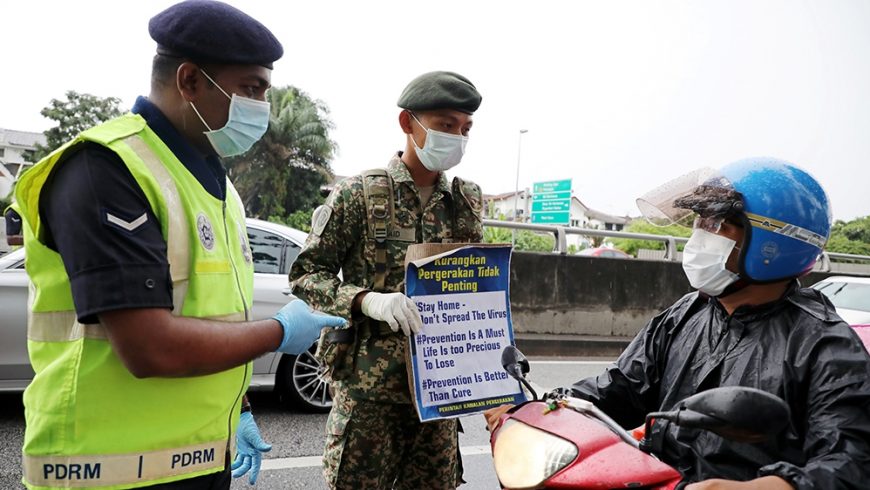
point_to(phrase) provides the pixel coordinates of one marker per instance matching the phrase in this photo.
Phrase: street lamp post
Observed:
(517, 186)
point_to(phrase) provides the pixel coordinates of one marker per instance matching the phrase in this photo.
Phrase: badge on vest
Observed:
(206, 233)
(246, 249)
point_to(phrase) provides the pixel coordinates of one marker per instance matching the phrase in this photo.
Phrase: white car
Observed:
(296, 379)
(850, 296)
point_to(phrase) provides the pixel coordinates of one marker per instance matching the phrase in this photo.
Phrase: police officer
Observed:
(374, 437)
(142, 274)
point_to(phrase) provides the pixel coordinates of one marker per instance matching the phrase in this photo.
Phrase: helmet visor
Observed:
(702, 194)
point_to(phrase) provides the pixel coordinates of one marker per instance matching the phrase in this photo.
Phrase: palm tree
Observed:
(283, 172)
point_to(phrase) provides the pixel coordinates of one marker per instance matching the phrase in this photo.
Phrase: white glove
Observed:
(394, 308)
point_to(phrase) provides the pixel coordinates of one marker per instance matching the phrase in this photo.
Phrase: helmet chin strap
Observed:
(739, 283)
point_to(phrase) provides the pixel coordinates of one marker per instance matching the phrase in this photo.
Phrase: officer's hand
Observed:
(302, 326)
(394, 308)
(250, 447)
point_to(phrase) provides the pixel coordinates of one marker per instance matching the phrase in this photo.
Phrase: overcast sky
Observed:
(619, 96)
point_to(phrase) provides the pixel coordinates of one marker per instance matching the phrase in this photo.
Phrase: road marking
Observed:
(285, 463)
(317, 461)
(475, 450)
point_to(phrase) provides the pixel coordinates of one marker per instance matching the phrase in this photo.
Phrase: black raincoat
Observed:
(796, 348)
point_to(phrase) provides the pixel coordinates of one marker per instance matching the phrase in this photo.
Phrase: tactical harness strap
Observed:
(379, 207)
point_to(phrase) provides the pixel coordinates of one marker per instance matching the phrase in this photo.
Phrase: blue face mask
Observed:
(247, 122)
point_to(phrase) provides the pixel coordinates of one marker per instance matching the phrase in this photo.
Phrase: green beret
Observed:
(440, 90)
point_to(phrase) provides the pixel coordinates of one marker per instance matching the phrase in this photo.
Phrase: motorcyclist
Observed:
(759, 224)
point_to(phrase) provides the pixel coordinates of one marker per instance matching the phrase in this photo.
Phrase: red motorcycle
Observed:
(565, 442)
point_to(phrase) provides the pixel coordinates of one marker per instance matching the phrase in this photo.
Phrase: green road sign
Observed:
(552, 218)
(552, 186)
(551, 195)
(556, 205)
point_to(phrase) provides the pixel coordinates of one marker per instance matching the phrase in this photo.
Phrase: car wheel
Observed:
(301, 383)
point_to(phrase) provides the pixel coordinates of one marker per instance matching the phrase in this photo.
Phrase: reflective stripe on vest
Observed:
(177, 240)
(62, 326)
(147, 467)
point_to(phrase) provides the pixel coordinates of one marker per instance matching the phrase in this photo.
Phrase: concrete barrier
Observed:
(593, 297)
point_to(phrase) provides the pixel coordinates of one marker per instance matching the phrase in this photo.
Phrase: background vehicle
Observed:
(863, 332)
(850, 296)
(274, 247)
(610, 253)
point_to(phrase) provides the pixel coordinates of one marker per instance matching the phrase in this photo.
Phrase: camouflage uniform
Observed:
(374, 436)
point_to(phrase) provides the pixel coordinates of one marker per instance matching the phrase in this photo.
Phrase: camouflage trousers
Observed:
(372, 445)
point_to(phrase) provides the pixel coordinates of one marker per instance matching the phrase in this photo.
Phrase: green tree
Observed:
(301, 219)
(852, 237)
(841, 244)
(284, 171)
(527, 241)
(631, 246)
(74, 115)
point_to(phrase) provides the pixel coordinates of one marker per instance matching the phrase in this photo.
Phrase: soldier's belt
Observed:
(346, 335)
(378, 328)
(340, 336)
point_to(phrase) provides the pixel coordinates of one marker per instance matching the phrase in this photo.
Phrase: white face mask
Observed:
(247, 122)
(704, 259)
(441, 151)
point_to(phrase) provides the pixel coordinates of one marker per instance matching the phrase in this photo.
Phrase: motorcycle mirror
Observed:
(514, 362)
(734, 412)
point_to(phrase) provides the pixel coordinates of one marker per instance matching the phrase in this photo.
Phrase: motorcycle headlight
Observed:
(524, 456)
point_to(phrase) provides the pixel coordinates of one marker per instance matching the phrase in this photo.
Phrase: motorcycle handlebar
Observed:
(587, 407)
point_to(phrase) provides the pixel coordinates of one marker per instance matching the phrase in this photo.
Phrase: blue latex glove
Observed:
(249, 448)
(302, 326)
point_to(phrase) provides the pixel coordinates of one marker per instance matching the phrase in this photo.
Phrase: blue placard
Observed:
(464, 301)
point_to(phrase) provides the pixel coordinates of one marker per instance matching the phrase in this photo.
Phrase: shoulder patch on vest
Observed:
(469, 192)
(320, 219)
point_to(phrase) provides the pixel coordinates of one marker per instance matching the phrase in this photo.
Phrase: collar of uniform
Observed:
(209, 171)
(749, 313)
(399, 172)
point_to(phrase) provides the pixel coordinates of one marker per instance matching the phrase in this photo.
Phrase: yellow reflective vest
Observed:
(90, 422)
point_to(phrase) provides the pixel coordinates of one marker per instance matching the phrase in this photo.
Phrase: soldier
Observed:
(374, 437)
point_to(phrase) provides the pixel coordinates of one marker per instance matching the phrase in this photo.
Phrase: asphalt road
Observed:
(297, 438)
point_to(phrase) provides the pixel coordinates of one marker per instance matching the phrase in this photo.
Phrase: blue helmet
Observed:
(785, 213)
(786, 216)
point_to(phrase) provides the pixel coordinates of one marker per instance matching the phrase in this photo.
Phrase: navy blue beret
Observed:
(211, 31)
(440, 90)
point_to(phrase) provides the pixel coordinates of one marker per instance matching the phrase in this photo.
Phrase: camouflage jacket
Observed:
(341, 241)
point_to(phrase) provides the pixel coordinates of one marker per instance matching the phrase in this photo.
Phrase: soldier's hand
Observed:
(394, 308)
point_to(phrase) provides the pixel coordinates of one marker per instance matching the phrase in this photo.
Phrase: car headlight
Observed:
(524, 456)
